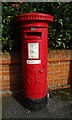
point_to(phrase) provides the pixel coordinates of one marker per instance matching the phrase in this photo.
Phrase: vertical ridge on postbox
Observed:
(34, 35)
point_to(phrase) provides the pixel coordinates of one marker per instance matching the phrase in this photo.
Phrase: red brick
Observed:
(1, 77)
(5, 85)
(50, 81)
(65, 62)
(6, 81)
(67, 65)
(12, 84)
(0, 66)
(0, 73)
(54, 84)
(16, 68)
(57, 80)
(63, 82)
(0, 61)
(5, 73)
(0, 81)
(4, 62)
(6, 89)
(59, 65)
(5, 65)
(58, 73)
(53, 62)
(59, 87)
(5, 69)
(53, 77)
(64, 76)
(11, 77)
(50, 74)
(11, 73)
(6, 77)
(66, 86)
(51, 66)
(11, 81)
(66, 72)
(59, 59)
(64, 69)
(6, 94)
(12, 88)
(53, 88)
(52, 70)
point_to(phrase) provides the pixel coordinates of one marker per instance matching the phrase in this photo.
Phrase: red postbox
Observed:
(34, 35)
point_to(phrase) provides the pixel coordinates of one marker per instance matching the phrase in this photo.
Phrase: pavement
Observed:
(58, 105)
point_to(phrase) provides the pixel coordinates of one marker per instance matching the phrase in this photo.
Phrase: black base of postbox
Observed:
(35, 104)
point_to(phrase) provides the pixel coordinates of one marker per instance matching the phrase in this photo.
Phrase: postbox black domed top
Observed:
(34, 16)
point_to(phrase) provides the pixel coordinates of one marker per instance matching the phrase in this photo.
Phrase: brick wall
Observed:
(59, 71)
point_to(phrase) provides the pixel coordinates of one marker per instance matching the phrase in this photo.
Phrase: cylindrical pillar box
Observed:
(34, 35)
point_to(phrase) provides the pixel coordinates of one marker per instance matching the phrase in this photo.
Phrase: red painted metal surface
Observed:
(34, 35)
